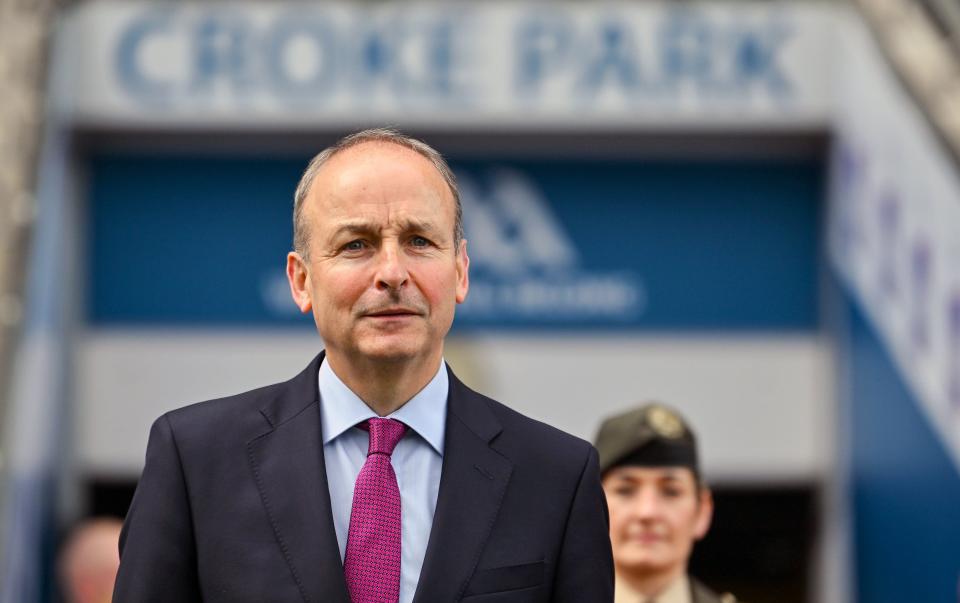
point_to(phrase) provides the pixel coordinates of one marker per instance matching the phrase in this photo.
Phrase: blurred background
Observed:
(747, 210)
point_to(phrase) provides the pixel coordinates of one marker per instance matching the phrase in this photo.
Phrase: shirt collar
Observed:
(425, 413)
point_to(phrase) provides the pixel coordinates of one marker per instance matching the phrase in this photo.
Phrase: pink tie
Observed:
(372, 561)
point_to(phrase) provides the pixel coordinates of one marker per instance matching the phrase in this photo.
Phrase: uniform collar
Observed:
(677, 592)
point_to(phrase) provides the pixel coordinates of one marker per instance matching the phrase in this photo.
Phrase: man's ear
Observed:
(463, 272)
(299, 278)
(704, 513)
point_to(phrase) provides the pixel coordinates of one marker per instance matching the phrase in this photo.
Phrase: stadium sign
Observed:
(430, 63)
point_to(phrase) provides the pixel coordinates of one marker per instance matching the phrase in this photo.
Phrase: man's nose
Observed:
(391, 268)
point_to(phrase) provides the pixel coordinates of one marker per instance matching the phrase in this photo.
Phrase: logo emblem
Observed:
(665, 423)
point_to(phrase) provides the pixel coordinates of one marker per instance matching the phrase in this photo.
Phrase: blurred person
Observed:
(659, 505)
(374, 475)
(88, 561)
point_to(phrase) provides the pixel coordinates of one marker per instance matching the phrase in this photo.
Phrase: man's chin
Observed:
(392, 351)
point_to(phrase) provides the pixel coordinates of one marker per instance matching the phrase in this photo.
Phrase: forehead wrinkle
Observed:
(356, 227)
(401, 225)
(407, 224)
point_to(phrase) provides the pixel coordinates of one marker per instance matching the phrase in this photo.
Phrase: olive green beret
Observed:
(653, 435)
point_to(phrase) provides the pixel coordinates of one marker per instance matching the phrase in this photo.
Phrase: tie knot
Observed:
(384, 435)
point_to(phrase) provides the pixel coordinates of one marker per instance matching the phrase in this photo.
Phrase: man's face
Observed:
(656, 514)
(382, 276)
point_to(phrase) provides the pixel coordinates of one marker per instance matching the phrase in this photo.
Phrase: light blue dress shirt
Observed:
(417, 461)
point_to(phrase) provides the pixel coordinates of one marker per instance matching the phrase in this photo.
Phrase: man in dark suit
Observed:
(374, 475)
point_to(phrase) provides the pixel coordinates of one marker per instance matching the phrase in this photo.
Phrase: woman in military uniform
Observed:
(659, 506)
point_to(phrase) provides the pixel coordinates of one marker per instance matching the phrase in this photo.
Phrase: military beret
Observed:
(653, 435)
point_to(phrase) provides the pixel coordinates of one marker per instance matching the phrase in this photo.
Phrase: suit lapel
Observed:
(472, 484)
(287, 463)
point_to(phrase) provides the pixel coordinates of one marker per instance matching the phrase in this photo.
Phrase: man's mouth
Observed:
(392, 313)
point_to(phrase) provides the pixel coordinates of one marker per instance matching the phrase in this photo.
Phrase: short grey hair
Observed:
(301, 235)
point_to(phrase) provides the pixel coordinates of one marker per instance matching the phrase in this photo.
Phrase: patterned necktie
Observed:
(372, 561)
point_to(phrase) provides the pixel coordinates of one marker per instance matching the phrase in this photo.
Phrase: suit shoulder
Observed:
(219, 408)
(241, 416)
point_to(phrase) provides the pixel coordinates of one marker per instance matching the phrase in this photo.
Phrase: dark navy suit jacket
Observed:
(233, 507)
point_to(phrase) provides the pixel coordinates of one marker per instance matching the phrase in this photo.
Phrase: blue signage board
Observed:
(554, 244)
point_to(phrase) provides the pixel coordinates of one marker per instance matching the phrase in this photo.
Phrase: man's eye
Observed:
(355, 246)
(419, 242)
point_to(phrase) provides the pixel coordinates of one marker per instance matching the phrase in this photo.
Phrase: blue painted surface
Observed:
(690, 246)
(905, 488)
(176, 240)
(717, 245)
